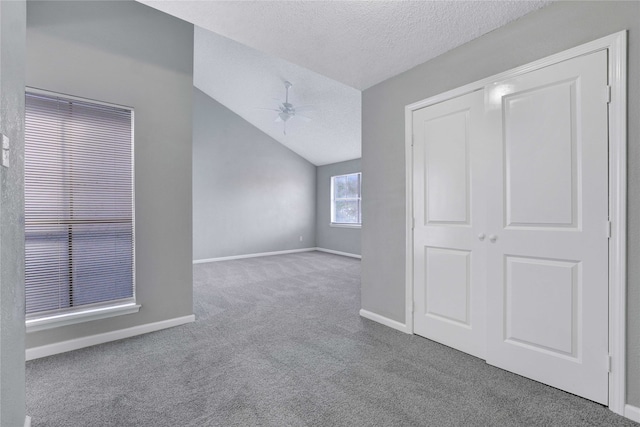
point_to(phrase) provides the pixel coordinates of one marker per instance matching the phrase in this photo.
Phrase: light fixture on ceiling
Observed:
(286, 111)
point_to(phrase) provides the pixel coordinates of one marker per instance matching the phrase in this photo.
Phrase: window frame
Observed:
(334, 223)
(44, 320)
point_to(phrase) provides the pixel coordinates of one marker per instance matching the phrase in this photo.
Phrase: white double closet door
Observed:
(510, 189)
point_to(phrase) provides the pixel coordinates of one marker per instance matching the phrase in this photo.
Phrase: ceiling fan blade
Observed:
(303, 118)
(278, 119)
(268, 109)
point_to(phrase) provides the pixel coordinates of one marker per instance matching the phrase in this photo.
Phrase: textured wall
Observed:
(327, 237)
(12, 50)
(127, 53)
(557, 27)
(250, 193)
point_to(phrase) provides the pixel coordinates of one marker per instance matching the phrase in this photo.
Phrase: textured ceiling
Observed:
(358, 43)
(329, 50)
(245, 80)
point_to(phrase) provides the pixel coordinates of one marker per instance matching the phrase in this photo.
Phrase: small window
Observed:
(345, 200)
(79, 235)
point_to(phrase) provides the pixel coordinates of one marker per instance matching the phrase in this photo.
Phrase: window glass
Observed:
(345, 199)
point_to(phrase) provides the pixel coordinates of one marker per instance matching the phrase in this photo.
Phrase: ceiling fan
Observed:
(287, 111)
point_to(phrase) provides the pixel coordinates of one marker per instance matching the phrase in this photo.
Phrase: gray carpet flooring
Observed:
(278, 342)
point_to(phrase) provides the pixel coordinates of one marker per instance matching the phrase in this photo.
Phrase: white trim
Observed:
(617, 47)
(600, 44)
(27, 421)
(333, 196)
(133, 203)
(342, 225)
(78, 343)
(385, 321)
(229, 258)
(292, 251)
(87, 315)
(632, 412)
(331, 251)
(408, 269)
(616, 44)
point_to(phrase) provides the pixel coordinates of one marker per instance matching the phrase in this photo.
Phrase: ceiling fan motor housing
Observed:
(287, 111)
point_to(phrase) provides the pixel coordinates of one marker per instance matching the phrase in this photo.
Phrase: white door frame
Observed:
(616, 44)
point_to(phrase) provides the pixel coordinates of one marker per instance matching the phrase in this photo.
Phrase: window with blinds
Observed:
(79, 240)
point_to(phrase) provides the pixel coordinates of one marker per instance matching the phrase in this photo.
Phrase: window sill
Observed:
(345, 225)
(58, 320)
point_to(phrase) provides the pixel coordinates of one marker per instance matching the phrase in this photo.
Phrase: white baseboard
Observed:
(632, 412)
(331, 251)
(27, 421)
(78, 343)
(261, 254)
(229, 258)
(385, 321)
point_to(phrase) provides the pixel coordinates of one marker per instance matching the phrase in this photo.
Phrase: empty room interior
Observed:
(319, 213)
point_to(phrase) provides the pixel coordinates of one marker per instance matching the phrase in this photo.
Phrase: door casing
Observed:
(616, 45)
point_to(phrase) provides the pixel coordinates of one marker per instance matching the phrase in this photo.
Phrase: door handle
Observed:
(481, 236)
(493, 238)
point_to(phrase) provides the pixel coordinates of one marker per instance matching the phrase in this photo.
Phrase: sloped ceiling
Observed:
(246, 80)
(329, 50)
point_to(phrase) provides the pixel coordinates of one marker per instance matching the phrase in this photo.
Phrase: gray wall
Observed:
(127, 53)
(251, 194)
(327, 237)
(12, 391)
(552, 29)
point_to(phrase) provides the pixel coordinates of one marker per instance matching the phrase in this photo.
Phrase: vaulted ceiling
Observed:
(247, 81)
(329, 50)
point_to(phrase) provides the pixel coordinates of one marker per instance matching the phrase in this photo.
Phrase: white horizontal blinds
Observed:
(346, 199)
(78, 204)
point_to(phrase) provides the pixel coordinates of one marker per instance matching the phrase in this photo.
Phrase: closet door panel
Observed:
(547, 288)
(449, 258)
